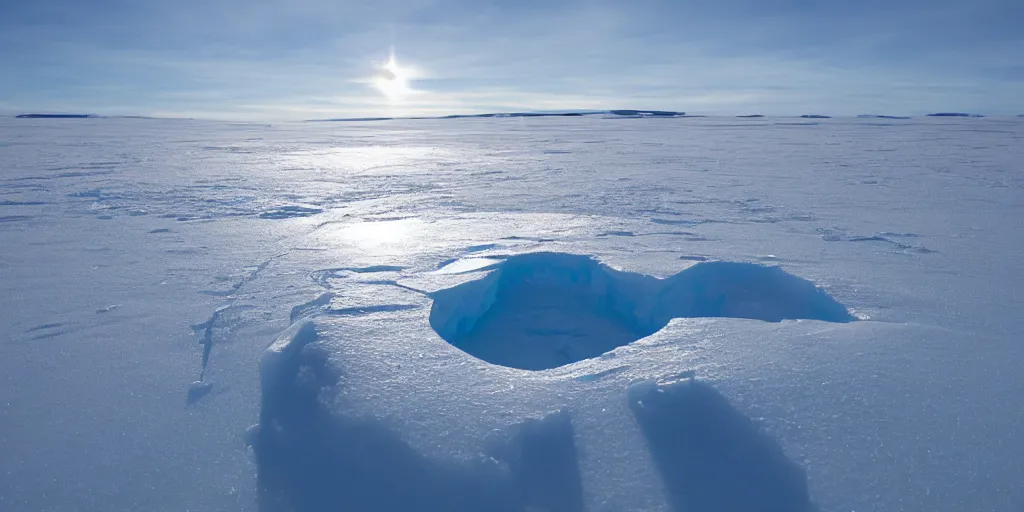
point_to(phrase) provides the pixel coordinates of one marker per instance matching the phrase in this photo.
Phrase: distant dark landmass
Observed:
(85, 116)
(566, 113)
(464, 116)
(751, 116)
(652, 113)
(56, 116)
(815, 116)
(954, 114)
(363, 119)
(518, 114)
(876, 116)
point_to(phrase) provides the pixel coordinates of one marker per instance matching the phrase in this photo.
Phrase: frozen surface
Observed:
(563, 313)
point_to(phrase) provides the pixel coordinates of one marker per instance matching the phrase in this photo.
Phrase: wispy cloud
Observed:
(277, 59)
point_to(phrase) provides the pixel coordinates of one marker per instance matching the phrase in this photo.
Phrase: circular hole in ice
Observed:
(544, 310)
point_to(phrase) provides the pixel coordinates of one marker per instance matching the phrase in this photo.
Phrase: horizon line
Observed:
(623, 113)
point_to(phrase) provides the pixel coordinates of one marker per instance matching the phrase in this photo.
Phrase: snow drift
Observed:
(711, 458)
(321, 442)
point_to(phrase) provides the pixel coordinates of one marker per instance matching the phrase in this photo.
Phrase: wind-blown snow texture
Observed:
(562, 313)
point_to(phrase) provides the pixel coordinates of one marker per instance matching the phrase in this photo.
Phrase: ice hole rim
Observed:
(543, 310)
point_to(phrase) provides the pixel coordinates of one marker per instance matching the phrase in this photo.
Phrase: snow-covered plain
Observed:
(413, 315)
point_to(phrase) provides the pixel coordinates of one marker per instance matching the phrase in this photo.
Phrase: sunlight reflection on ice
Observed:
(381, 236)
(467, 265)
(368, 158)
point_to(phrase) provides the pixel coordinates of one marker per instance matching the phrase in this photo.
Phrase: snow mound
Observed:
(317, 448)
(544, 310)
(310, 460)
(197, 390)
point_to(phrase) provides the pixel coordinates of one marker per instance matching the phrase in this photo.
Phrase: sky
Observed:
(314, 59)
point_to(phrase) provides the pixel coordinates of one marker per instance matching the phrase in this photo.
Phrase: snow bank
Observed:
(310, 459)
(373, 413)
(675, 445)
(315, 453)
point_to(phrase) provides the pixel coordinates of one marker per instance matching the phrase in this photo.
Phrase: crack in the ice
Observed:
(323, 277)
(365, 310)
(839, 235)
(205, 330)
(45, 326)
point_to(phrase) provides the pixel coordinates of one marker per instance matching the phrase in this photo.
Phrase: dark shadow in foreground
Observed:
(542, 458)
(311, 459)
(711, 457)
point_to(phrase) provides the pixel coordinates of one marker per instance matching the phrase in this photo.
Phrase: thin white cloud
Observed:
(316, 58)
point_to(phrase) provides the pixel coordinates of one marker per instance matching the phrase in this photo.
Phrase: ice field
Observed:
(527, 314)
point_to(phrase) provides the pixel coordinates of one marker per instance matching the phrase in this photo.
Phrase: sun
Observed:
(392, 80)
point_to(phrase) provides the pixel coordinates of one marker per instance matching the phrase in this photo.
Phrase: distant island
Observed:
(462, 116)
(751, 116)
(56, 116)
(954, 114)
(877, 116)
(566, 113)
(815, 116)
(516, 114)
(653, 113)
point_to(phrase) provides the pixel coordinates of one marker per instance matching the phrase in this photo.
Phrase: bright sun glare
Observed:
(392, 80)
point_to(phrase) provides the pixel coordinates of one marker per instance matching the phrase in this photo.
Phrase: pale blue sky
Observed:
(301, 59)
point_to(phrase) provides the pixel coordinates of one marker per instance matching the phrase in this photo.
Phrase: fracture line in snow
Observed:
(201, 388)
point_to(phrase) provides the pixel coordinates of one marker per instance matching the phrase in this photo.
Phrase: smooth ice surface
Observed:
(224, 316)
(464, 265)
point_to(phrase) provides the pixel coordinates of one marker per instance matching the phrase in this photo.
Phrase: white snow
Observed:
(668, 302)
